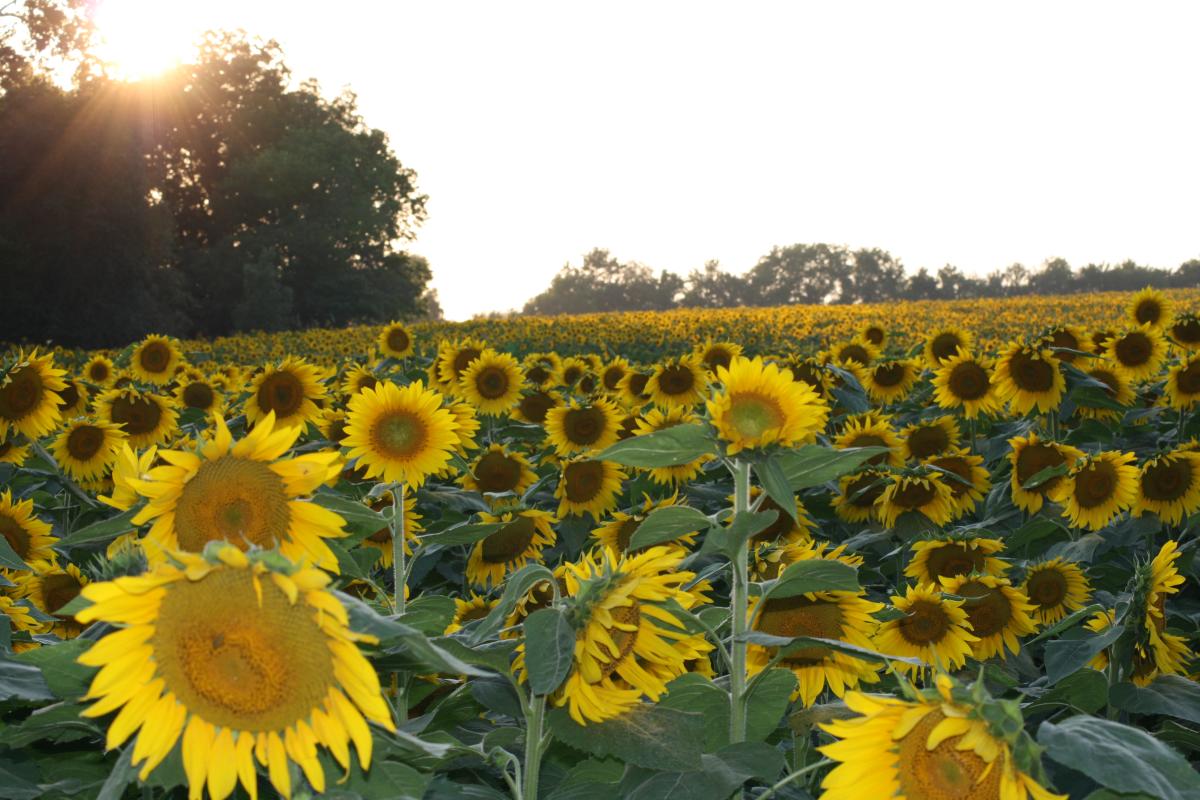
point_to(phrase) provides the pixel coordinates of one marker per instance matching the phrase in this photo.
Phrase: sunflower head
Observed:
(1065, 342)
(968, 383)
(1183, 384)
(870, 430)
(199, 392)
(587, 486)
(1185, 331)
(656, 419)
(1097, 489)
(29, 400)
(290, 390)
(945, 344)
(1137, 351)
(938, 559)
(933, 628)
(401, 434)
(1116, 389)
(857, 351)
(499, 470)
(492, 383)
(155, 359)
(714, 354)
(923, 491)
(965, 475)
(874, 333)
(1031, 455)
(1056, 588)
(677, 382)
(99, 371)
(617, 533)
(1150, 307)
(86, 448)
(759, 404)
(582, 427)
(858, 494)
(926, 439)
(890, 381)
(1029, 377)
(27, 535)
(146, 418)
(999, 613)
(1169, 486)
(519, 541)
(395, 340)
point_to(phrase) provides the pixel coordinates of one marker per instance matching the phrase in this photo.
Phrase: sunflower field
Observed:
(925, 551)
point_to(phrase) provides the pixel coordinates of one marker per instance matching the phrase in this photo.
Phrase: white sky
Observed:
(672, 133)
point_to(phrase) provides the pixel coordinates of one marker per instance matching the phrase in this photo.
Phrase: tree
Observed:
(876, 277)
(38, 36)
(799, 273)
(603, 283)
(713, 288)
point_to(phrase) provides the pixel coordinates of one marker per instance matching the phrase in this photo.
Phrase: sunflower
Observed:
(468, 425)
(492, 383)
(12, 451)
(146, 418)
(1029, 377)
(857, 351)
(938, 745)
(199, 392)
(27, 535)
(290, 389)
(857, 495)
(467, 610)
(207, 650)
(874, 333)
(657, 419)
(1183, 384)
(20, 618)
(634, 389)
(572, 370)
(454, 358)
(611, 375)
(844, 616)
(968, 383)
(395, 340)
(936, 559)
(973, 480)
(333, 424)
(356, 378)
(498, 470)
(402, 434)
(812, 372)
(946, 344)
(587, 486)
(1162, 652)
(1097, 489)
(582, 427)
(539, 370)
(1061, 340)
(29, 403)
(629, 643)
(521, 541)
(890, 381)
(154, 360)
(616, 533)
(770, 559)
(1137, 352)
(676, 383)
(1169, 486)
(534, 406)
(1116, 388)
(50, 590)
(927, 494)
(381, 539)
(870, 430)
(99, 371)
(932, 437)
(1056, 588)
(129, 466)
(933, 629)
(1031, 455)
(759, 404)
(998, 613)
(1185, 331)
(240, 492)
(72, 398)
(85, 448)
(714, 354)
(1150, 307)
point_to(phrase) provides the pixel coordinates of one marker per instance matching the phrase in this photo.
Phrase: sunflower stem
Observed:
(533, 745)
(793, 777)
(399, 567)
(737, 609)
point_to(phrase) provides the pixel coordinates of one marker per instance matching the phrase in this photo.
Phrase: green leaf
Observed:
(21, 681)
(9, 557)
(122, 775)
(798, 642)
(815, 465)
(1046, 475)
(775, 481)
(515, 588)
(744, 526)
(696, 693)
(767, 702)
(549, 647)
(496, 656)
(1120, 757)
(100, 532)
(398, 639)
(1084, 691)
(650, 736)
(58, 723)
(361, 520)
(1168, 695)
(1069, 621)
(429, 613)
(463, 534)
(65, 676)
(670, 447)
(813, 575)
(667, 524)
(719, 775)
(19, 779)
(1071, 652)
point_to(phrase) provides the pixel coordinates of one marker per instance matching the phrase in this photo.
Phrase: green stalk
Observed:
(738, 582)
(533, 745)
(399, 567)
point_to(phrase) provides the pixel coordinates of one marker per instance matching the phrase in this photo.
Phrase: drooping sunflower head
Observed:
(1030, 456)
(759, 404)
(945, 344)
(714, 354)
(401, 434)
(1183, 384)
(291, 390)
(86, 449)
(1138, 352)
(27, 535)
(1169, 486)
(870, 430)
(999, 613)
(965, 475)
(154, 359)
(499, 470)
(1097, 489)
(1150, 307)
(925, 493)
(933, 628)
(29, 400)
(520, 541)
(582, 427)
(677, 382)
(929, 438)
(587, 486)
(1185, 331)
(492, 383)
(1158, 651)
(947, 742)
(968, 383)
(1056, 588)
(890, 381)
(99, 371)
(146, 418)
(395, 340)
(937, 559)
(1029, 377)
(207, 650)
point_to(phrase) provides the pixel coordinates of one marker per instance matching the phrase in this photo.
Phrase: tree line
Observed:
(823, 273)
(218, 197)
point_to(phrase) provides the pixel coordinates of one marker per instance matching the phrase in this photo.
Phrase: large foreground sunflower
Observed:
(401, 434)
(240, 492)
(760, 404)
(938, 746)
(29, 402)
(1097, 489)
(243, 659)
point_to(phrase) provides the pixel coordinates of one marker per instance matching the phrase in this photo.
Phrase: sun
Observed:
(140, 39)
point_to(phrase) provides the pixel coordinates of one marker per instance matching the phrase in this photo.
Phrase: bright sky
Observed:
(676, 132)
